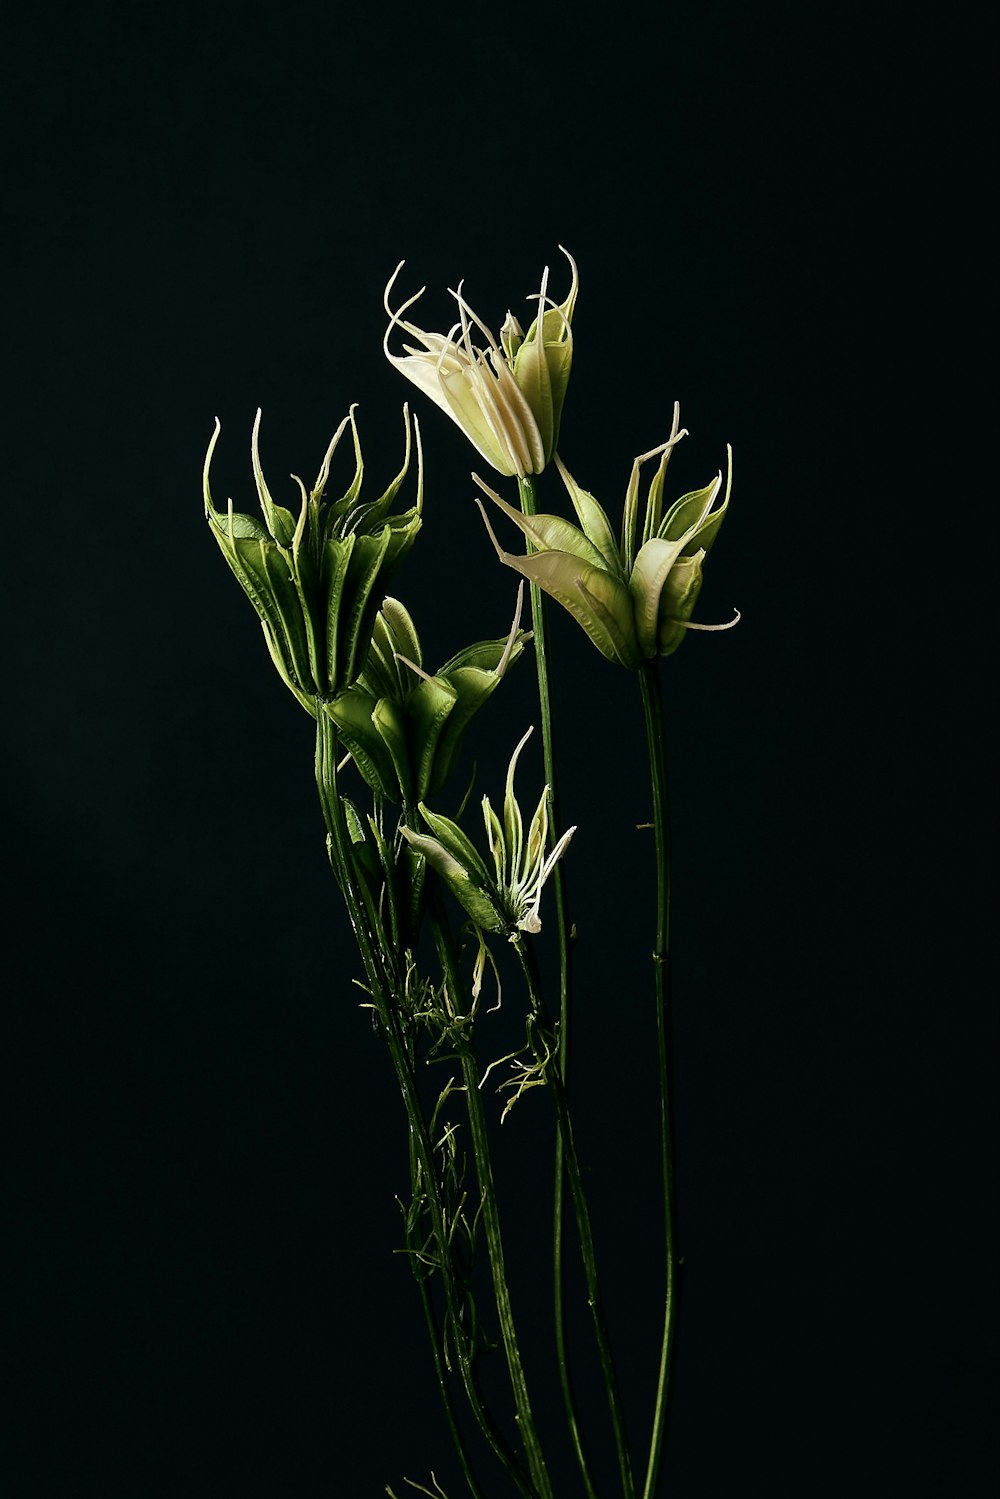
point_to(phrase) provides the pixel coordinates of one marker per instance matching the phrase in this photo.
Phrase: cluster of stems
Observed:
(454, 1212)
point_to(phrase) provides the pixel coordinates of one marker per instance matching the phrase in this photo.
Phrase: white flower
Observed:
(507, 397)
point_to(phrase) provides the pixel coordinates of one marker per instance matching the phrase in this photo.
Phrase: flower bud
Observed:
(634, 598)
(403, 727)
(316, 580)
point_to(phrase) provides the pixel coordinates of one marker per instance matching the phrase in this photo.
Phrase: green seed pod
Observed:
(634, 598)
(316, 581)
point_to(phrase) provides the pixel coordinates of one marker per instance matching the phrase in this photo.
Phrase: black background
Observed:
(774, 210)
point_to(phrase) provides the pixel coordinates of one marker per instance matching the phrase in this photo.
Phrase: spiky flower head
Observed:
(508, 396)
(634, 596)
(316, 580)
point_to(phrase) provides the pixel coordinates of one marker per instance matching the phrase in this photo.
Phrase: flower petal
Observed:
(649, 576)
(596, 526)
(549, 533)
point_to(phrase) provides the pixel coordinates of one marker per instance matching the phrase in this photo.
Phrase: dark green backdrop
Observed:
(202, 208)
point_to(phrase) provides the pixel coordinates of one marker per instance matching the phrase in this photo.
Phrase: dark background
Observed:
(774, 210)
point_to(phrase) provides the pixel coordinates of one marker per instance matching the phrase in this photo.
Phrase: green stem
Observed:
(529, 506)
(382, 992)
(440, 1368)
(652, 704)
(582, 1212)
(491, 1213)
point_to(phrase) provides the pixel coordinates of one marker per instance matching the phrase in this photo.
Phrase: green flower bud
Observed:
(316, 579)
(403, 727)
(634, 598)
(508, 398)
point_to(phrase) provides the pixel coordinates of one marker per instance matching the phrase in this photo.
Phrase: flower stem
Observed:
(575, 1175)
(652, 704)
(375, 957)
(529, 506)
(491, 1214)
(437, 1351)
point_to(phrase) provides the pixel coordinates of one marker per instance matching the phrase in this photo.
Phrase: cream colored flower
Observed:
(507, 397)
(635, 597)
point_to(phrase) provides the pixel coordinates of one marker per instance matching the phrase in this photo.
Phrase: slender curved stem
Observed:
(652, 704)
(382, 992)
(529, 506)
(491, 1215)
(582, 1211)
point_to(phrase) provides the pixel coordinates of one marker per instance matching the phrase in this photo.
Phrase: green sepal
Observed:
(534, 379)
(476, 902)
(308, 702)
(607, 613)
(263, 607)
(375, 511)
(473, 676)
(340, 509)
(234, 525)
(573, 584)
(495, 839)
(471, 687)
(460, 847)
(306, 577)
(512, 832)
(403, 530)
(550, 533)
(428, 707)
(484, 655)
(594, 521)
(688, 513)
(393, 635)
(267, 583)
(361, 604)
(288, 602)
(541, 363)
(390, 720)
(649, 576)
(352, 713)
(280, 522)
(677, 602)
(630, 521)
(374, 561)
(706, 533)
(336, 560)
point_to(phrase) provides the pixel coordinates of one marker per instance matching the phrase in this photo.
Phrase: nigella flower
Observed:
(633, 597)
(508, 899)
(507, 397)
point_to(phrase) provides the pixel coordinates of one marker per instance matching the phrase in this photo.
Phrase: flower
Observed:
(316, 580)
(403, 727)
(634, 599)
(509, 899)
(507, 398)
